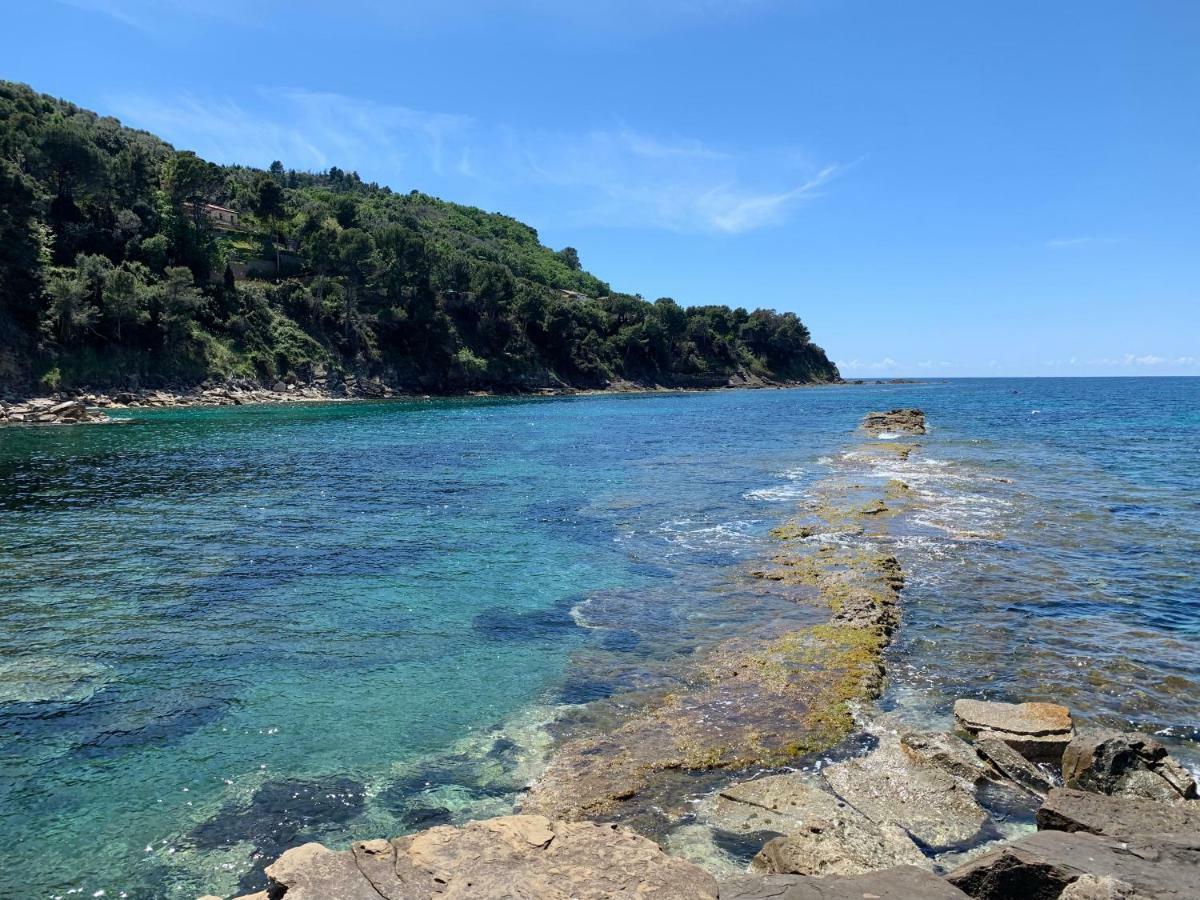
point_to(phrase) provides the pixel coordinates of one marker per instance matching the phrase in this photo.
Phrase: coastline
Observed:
(83, 407)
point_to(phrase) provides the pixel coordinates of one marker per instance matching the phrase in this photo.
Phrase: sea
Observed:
(227, 631)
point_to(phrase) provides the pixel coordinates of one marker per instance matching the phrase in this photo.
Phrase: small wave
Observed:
(779, 494)
(691, 535)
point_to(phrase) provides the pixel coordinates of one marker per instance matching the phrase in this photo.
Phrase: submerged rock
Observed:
(512, 856)
(1126, 764)
(900, 883)
(1066, 809)
(1038, 731)
(1042, 865)
(937, 808)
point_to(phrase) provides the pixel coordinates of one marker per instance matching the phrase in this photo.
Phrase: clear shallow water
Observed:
(226, 631)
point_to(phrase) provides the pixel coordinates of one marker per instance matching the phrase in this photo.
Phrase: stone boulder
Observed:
(1042, 865)
(900, 883)
(1126, 764)
(507, 857)
(1066, 809)
(1038, 731)
(937, 808)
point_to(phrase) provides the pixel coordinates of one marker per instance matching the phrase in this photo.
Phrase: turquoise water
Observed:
(227, 631)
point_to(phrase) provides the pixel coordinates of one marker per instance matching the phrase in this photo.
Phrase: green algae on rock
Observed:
(748, 705)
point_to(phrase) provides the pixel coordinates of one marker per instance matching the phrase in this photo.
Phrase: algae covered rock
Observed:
(900, 421)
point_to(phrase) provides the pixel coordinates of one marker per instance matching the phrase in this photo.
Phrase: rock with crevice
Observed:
(937, 808)
(900, 883)
(1042, 865)
(1013, 766)
(949, 752)
(1128, 764)
(507, 857)
(1067, 809)
(1038, 731)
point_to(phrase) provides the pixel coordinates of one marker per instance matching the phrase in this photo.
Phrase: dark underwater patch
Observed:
(742, 847)
(281, 814)
(499, 623)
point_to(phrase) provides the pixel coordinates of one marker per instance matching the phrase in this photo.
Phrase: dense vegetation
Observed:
(111, 265)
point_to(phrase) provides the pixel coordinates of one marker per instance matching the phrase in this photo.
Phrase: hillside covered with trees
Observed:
(121, 256)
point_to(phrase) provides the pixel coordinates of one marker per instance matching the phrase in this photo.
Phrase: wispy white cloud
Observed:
(1065, 243)
(619, 177)
(887, 364)
(1128, 361)
(304, 129)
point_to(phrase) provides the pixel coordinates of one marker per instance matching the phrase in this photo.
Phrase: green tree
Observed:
(126, 296)
(72, 309)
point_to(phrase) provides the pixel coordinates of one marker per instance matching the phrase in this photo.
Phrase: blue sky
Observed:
(937, 188)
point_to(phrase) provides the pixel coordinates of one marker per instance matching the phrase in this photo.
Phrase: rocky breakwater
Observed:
(747, 704)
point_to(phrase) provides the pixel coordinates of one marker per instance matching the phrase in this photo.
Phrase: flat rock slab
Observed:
(936, 808)
(1066, 809)
(507, 857)
(1127, 764)
(1042, 865)
(822, 835)
(900, 883)
(1038, 731)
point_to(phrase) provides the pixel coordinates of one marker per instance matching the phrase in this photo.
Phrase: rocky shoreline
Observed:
(93, 407)
(937, 814)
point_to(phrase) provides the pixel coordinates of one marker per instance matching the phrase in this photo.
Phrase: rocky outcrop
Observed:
(746, 704)
(512, 856)
(1126, 764)
(896, 421)
(1042, 865)
(50, 411)
(901, 883)
(1067, 809)
(937, 808)
(1038, 731)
